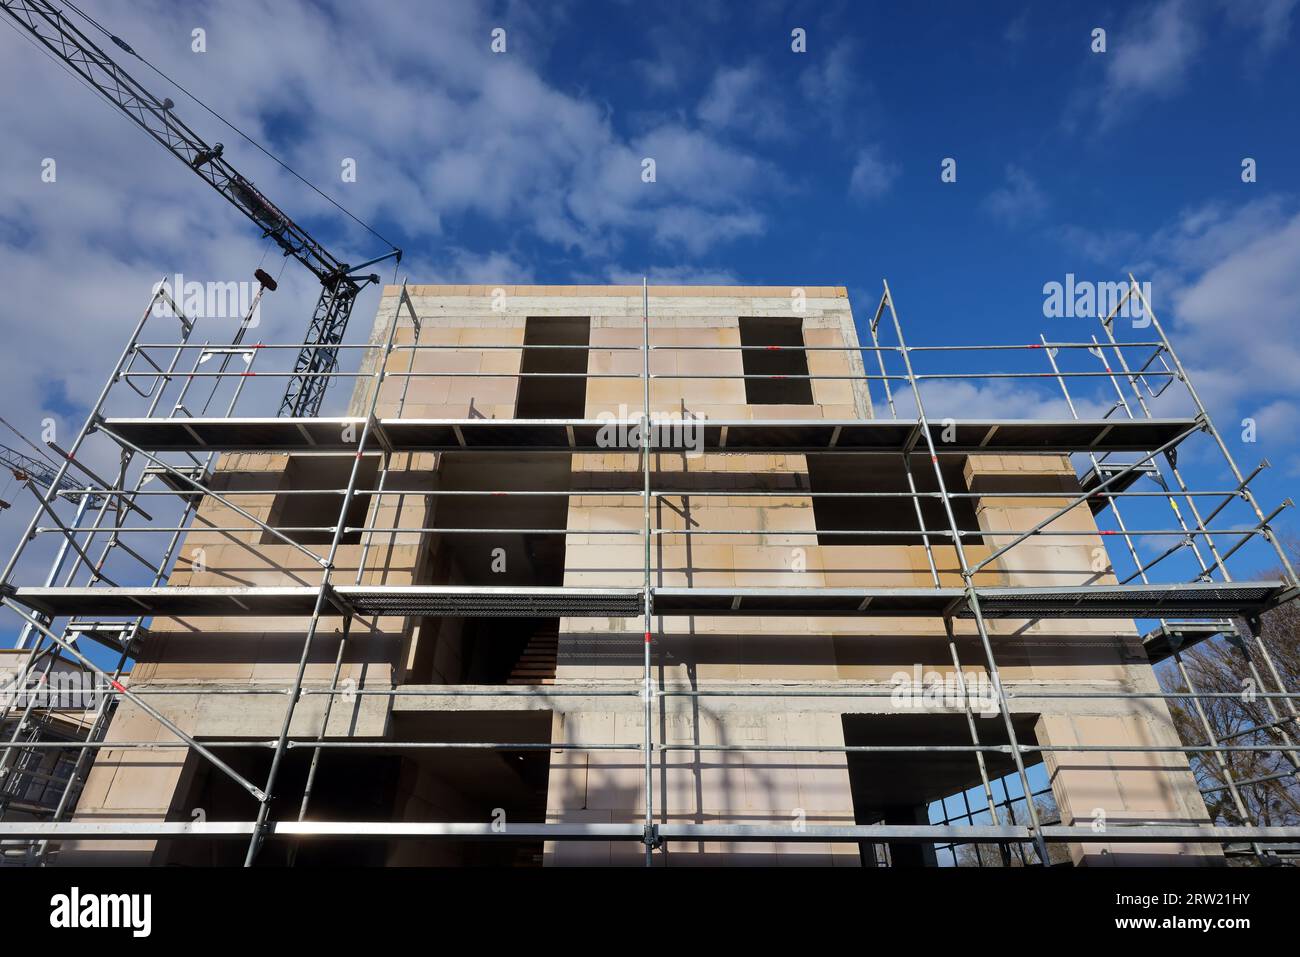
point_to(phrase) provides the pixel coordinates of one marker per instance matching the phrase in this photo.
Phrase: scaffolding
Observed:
(104, 587)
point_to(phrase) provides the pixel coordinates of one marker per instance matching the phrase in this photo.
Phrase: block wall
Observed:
(772, 786)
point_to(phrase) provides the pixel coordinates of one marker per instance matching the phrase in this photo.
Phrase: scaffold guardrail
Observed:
(188, 419)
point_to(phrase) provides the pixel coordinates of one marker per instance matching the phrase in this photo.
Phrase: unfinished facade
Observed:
(498, 614)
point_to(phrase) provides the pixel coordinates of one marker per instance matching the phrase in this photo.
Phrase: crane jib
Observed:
(157, 117)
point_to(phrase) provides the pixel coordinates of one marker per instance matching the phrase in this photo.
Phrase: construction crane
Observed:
(340, 282)
(27, 469)
(39, 471)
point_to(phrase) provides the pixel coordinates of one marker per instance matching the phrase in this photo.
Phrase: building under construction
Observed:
(626, 575)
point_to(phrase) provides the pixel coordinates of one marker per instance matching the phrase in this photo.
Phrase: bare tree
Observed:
(1267, 789)
(994, 855)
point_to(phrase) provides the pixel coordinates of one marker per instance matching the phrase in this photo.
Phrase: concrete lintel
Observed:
(579, 697)
(260, 715)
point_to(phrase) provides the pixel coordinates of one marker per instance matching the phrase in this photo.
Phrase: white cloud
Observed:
(1152, 52)
(1226, 285)
(738, 100)
(871, 176)
(1108, 246)
(1271, 19)
(1239, 313)
(466, 266)
(700, 231)
(990, 399)
(1018, 29)
(831, 95)
(829, 79)
(840, 95)
(1202, 236)
(673, 276)
(1276, 421)
(445, 135)
(660, 74)
(1018, 200)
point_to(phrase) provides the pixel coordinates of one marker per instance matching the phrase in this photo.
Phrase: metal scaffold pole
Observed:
(323, 597)
(386, 459)
(127, 502)
(972, 595)
(205, 488)
(1114, 505)
(647, 692)
(1243, 485)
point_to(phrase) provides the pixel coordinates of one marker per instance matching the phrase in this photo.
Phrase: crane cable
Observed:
(127, 48)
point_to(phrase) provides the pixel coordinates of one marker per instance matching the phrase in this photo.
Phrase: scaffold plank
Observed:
(1130, 601)
(167, 601)
(802, 602)
(1088, 601)
(253, 601)
(1120, 477)
(991, 436)
(1173, 636)
(812, 833)
(521, 602)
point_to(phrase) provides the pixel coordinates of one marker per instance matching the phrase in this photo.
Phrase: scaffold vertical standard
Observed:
(643, 575)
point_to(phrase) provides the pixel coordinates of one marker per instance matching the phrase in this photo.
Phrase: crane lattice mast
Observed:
(340, 283)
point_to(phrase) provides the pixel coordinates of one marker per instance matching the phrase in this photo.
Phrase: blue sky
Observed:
(772, 167)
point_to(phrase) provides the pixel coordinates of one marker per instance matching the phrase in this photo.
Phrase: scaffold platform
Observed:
(169, 449)
(992, 436)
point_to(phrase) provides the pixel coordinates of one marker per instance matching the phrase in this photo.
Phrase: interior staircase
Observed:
(536, 664)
